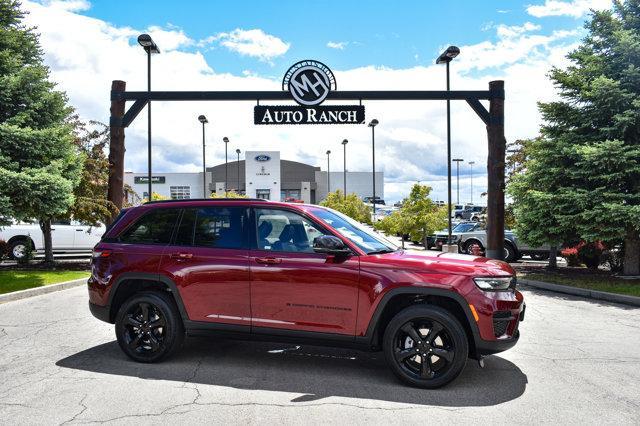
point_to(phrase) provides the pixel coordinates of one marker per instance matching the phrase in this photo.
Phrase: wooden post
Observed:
(115, 193)
(495, 171)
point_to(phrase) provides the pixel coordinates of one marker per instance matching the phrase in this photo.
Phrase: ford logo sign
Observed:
(262, 158)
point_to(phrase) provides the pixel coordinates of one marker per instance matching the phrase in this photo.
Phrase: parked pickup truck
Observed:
(471, 237)
(67, 237)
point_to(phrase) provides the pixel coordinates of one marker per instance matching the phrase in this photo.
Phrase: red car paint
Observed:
(306, 292)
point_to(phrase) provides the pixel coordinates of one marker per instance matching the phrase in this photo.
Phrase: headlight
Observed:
(496, 283)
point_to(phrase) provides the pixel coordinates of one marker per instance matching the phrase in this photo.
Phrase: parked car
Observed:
(472, 237)
(371, 200)
(250, 268)
(68, 237)
(470, 213)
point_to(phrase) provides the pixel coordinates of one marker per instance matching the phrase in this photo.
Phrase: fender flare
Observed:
(422, 291)
(173, 288)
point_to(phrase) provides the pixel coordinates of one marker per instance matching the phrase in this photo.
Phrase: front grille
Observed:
(501, 320)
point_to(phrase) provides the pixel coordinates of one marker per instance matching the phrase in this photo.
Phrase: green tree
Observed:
(91, 204)
(351, 205)
(39, 165)
(582, 176)
(418, 216)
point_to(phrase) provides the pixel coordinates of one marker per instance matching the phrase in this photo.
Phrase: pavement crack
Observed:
(84, 408)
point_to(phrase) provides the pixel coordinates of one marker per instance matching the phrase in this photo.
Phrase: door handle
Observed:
(79, 230)
(268, 260)
(181, 256)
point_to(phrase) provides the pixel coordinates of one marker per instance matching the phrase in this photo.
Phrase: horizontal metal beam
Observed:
(354, 95)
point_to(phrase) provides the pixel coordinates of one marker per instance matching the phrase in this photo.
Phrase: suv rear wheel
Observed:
(425, 346)
(19, 249)
(149, 327)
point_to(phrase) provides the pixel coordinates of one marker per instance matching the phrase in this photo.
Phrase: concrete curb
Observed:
(583, 292)
(37, 291)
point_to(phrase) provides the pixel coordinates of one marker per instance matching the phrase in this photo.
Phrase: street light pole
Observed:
(204, 121)
(226, 169)
(457, 160)
(471, 163)
(150, 47)
(344, 178)
(446, 57)
(328, 174)
(373, 125)
(238, 152)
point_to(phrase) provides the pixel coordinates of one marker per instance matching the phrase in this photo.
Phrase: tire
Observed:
(151, 344)
(449, 338)
(18, 249)
(467, 248)
(510, 253)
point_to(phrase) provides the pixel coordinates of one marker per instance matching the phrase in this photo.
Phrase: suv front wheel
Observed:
(425, 346)
(149, 327)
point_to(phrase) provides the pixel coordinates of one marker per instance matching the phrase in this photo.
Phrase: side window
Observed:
(215, 227)
(154, 227)
(282, 230)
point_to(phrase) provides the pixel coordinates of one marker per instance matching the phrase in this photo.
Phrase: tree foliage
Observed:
(91, 204)
(39, 165)
(581, 178)
(418, 217)
(351, 205)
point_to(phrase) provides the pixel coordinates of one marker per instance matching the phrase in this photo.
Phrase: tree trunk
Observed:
(632, 253)
(45, 226)
(553, 255)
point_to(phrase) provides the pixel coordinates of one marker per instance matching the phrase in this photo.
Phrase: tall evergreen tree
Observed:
(582, 177)
(39, 165)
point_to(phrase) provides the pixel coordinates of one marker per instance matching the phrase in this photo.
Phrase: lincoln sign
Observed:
(309, 83)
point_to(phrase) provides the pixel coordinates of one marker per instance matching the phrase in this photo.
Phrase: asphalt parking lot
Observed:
(577, 362)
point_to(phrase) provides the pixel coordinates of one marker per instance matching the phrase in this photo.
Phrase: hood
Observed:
(446, 263)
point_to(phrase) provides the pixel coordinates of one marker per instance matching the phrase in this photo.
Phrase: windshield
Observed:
(464, 227)
(366, 239)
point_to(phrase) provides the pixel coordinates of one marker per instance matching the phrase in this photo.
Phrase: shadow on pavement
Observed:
(315, 372)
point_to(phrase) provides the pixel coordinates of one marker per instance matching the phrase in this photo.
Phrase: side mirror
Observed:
(330, 245)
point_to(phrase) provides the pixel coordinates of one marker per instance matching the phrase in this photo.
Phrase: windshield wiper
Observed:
(381, 251)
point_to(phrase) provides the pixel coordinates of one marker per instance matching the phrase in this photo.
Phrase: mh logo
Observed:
(309, 82)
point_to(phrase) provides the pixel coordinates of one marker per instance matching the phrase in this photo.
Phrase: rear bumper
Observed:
(100, 312)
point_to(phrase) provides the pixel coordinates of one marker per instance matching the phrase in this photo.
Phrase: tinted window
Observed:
(216, 227)
(282, 230)
(154, 227)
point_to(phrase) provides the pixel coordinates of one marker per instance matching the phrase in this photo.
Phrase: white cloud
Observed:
(69, 5)
(85, 54)
(574, 8)
(509, 31)
(255, 43)
(340, 45)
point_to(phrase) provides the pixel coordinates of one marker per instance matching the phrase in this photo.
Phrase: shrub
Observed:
(571, 256)
(588, 254)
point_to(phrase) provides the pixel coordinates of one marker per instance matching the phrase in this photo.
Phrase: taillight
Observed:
(100, 253)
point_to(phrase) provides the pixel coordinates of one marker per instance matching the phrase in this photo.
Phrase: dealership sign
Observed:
(309, 83)
(262, 157)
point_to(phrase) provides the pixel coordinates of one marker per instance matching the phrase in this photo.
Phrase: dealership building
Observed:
(262, 174)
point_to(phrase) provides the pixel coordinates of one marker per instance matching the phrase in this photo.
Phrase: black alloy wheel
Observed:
(425, 346)
(510, 254)
(148, 327)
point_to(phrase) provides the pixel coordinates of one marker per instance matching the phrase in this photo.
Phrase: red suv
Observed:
(292, 272)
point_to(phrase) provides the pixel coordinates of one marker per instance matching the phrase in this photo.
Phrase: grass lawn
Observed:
(585, 279)
(21, 279)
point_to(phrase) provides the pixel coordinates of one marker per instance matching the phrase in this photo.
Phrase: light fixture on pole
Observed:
(238, 165)
(344, 180)
(457, 160)
(328, 174)
(447, 56)
(373, 125)
(204, 121)
(150, 47)
(226, 169)
(471, 163)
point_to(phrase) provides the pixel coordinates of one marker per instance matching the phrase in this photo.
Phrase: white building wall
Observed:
(360, 183)
(191, 180)
(262, 172)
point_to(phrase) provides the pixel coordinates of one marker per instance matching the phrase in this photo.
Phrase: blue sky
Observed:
(248, 45)
(383, 33)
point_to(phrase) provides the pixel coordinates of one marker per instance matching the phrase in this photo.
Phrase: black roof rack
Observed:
(204, 199)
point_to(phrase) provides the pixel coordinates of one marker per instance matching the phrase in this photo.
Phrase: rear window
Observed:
(154, 227)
